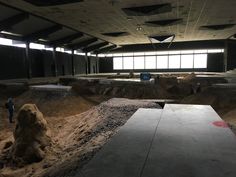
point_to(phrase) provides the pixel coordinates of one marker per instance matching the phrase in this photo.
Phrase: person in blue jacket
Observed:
(10, 107)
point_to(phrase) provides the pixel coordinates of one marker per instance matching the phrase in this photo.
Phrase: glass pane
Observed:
(109, 55)
(150, 62)
(162, 53)
(128, 63)
(174, 52)
(128, 54)
(150, 53)
(139, 54)
(117, 63)
(4, 41)
(187, 61)
(37, 46)
(186, 51)
(162, 62)
(174, 61)
(99, 55)
(138, 62)
(215, 51)
(59, 49)
(200, 61)
(117, 54)
(200, 51)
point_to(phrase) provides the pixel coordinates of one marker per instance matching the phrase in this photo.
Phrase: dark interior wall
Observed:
(80, 64)
(11, 63)
(37, 63)
(231, 54)
(106, 65)
(48, 64)
(13, 66)
(215, 62)
(64, 64)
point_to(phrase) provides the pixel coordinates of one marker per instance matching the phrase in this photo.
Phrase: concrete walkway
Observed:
(178, 141)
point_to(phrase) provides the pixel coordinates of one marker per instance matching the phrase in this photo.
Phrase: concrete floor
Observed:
(178, 141)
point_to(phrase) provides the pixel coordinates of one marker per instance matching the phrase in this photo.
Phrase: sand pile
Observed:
(81, 136)
(30, 137)
(75, 139)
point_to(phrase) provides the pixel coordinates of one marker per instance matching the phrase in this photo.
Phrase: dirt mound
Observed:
(81, 136)
(53, 104)
(189, 77)
(30, 136)
(75, 139)
(124, 90)
(221, 99)
(216, 97)
(167, 82)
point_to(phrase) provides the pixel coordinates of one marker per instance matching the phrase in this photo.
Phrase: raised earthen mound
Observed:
(189, 77)
(30, 136)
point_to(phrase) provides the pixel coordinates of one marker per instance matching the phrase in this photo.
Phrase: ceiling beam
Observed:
(95, 47)
(65, 40)
(42, 33)
(8, 23)
(52, 3)
(10, 36)
(85, 43)
(105, 49)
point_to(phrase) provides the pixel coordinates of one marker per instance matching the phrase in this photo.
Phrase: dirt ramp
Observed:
(30, 136)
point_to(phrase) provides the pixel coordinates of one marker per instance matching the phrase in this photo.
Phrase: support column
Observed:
(72, 63)
(86, 59)
(226, 56)
(28, 60)
(55, 61)
(97, 63)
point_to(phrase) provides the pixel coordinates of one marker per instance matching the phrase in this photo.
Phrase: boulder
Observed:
(31, 136)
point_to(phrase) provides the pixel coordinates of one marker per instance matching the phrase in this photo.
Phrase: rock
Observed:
(30, 136)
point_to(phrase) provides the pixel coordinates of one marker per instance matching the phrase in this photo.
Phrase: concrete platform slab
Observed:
(179, 141)
(125, 154)
(191, 141)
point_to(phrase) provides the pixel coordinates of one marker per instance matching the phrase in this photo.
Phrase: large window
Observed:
(128, 63)
(186, 61)
(162, 62)
(200, 61)
(117, 63)
(150, 62)
(174, 61)
(139, 62)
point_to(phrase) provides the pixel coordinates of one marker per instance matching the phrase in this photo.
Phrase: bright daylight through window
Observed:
(186, 59)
